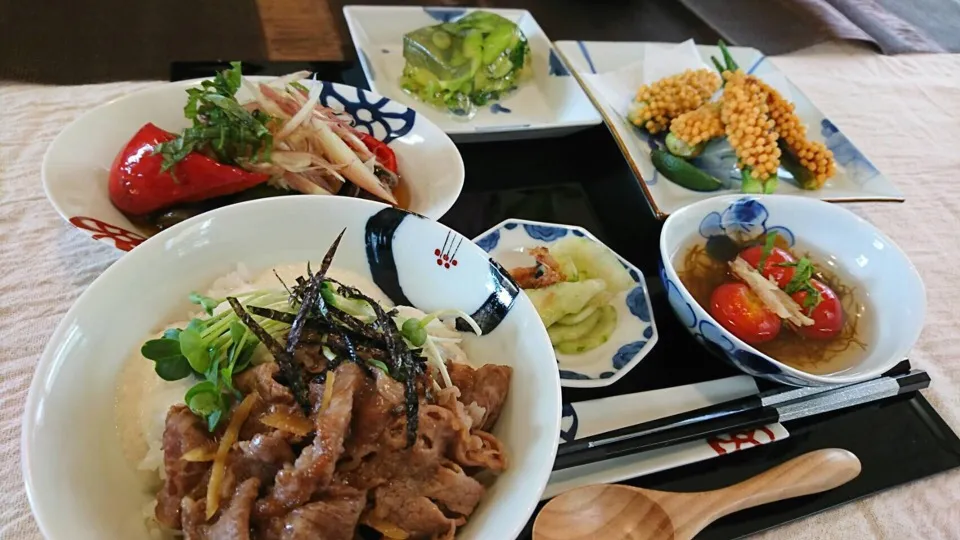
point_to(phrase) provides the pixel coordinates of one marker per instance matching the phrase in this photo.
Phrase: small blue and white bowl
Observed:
(636, 333)
(889, 284)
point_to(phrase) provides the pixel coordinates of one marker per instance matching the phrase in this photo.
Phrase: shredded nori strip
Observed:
(342, 344)
(311, 297)
(369, 336)
(328, 258)
(282, 282)
(288, 368)
(273, 314)
(317, 321)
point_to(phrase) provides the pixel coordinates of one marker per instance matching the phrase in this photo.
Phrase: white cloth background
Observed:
(903, 112)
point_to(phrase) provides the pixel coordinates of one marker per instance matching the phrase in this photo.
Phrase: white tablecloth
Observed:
(903, 112)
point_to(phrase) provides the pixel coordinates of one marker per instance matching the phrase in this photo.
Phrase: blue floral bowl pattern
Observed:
(636, 332)
(384, 119)
(863, 251)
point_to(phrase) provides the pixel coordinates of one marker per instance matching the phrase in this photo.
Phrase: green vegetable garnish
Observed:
(802, 281)
(413, 330)
(727, 57)
(215, 349)
(205, 302)
(300, 87)
(221, 125)
(379, 365)
(716, 63)
(768, 244)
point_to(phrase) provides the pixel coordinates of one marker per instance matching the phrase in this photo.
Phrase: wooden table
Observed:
(316, 30)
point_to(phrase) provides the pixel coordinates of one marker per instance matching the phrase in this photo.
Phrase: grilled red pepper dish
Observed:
(284, 140)
(139, 185)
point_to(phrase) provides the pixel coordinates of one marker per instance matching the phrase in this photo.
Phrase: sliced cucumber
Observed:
(564, 298)
(683, 173)
(441, 39)
(497, 42)
(561, 332)
(594, 260)
(597, 336)
(594, 304)
(577, 318)
(473, 45)
(567, 267)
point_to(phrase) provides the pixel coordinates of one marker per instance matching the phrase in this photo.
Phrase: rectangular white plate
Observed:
(549, 104)
(856, 180)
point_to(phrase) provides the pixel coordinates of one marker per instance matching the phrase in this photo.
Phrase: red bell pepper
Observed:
(138, 186)
(384, 153)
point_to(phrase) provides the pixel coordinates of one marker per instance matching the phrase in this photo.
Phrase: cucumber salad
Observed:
(571, 285)
(465, 64)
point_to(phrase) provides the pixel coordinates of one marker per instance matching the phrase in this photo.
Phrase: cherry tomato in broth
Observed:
(827, 315)
(740, 310)
(771, 266)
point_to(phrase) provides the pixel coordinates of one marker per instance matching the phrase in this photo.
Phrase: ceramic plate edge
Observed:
(353, 27)
(642, 353)
(659, 213)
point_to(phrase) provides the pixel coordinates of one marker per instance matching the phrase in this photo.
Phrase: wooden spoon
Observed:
(618, 512)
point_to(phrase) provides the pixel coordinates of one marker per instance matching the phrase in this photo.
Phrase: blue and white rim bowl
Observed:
(884, 277)
(414, 261)
(77, 164)
(636, 332)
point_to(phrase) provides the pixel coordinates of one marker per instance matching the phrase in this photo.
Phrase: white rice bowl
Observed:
(95, 410)
(143, 399)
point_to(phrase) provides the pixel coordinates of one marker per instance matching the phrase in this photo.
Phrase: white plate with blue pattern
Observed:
(636, 332)
(548, 105)
(857, 179)
(77, 164)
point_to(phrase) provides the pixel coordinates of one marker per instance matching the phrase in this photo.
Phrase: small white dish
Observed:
(77, 164)
(857, 179)
(93, 492)
(889, 285)
(636, 332)
(550, 104)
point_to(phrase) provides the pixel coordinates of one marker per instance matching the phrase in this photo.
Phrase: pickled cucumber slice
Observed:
(597, 336)
(567, 267)
(577, 318)
(562, 332)
(594, 304)
(560, 299)
(594, 260)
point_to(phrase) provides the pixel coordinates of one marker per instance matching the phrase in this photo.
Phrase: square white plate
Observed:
(856, 180)
(549, 104)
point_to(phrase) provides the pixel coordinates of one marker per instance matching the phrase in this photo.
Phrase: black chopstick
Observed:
(740, 414)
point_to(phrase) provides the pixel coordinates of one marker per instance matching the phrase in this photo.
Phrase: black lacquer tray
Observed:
(582, 179)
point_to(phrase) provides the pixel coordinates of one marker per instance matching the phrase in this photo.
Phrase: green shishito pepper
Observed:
(464, 64)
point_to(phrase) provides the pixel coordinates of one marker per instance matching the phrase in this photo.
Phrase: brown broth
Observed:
(701, 274)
